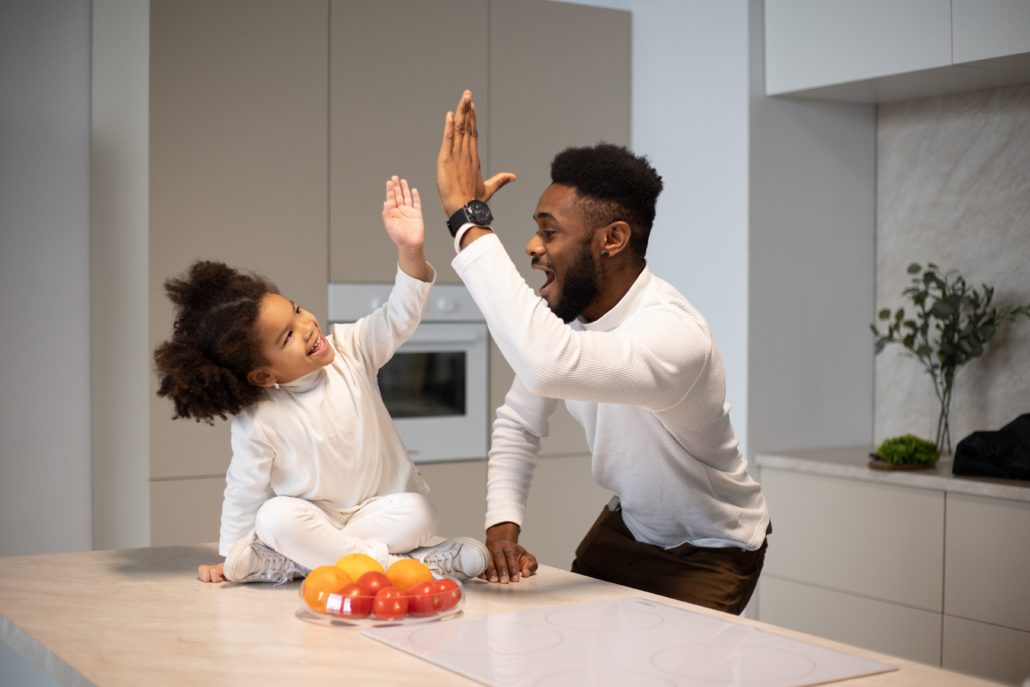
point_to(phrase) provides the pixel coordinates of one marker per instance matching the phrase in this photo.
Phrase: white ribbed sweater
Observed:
(646, 382)
(327, 437)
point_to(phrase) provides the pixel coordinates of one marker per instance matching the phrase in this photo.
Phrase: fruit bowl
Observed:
(442, 597)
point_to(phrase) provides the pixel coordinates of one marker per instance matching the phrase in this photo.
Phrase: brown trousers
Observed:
(719, 578)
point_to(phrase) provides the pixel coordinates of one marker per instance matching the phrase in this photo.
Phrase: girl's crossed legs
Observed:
(310, 536)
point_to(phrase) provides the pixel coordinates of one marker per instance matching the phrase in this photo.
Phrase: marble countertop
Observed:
(140, 617)
(853, 463)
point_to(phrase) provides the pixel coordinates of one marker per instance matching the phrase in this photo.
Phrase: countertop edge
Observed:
(852, 463)
(39, 656)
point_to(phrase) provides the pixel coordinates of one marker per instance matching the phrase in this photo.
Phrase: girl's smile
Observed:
(292, 343)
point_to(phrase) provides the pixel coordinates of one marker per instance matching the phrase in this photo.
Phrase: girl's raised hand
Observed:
(402, 214)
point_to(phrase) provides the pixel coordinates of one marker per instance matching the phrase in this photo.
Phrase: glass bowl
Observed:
(443, 597)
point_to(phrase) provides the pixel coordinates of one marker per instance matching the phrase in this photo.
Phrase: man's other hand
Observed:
(508, 560)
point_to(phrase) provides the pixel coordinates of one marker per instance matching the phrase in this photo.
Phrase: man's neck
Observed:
(613, 289)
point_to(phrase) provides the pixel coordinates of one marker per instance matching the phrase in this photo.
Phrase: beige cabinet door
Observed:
(879, 541)
(238, 160)
(559, 77)
(396, 68)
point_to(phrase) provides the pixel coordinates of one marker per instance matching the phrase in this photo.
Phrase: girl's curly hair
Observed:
(203, 367)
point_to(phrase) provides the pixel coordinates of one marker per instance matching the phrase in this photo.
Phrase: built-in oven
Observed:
(436, 384)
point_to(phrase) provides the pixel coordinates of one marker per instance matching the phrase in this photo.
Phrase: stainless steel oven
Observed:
(435, 386)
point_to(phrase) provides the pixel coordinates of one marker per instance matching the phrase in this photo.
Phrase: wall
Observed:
(695, 133)
(954, 189)
(45, 502)
(812, 185)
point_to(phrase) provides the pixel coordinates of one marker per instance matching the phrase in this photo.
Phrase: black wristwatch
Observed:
(473, 212)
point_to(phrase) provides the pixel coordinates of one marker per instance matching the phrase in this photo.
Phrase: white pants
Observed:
(312, 536)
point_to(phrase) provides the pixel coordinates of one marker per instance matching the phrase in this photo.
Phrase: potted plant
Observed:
(905, 452)
(951, 325)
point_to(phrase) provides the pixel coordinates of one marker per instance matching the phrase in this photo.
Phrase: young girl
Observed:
(318, 469)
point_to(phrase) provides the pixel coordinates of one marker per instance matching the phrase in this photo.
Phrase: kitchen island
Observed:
(140, 617)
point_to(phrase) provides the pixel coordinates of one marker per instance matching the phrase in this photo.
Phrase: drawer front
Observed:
(875, 540)
(987, 651)
(987, 566)
(888, 628)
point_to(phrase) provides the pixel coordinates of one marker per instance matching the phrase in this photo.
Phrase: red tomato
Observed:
(423, 599)
(390, 603)
(372, 581)
(449, 592)
(354, 602)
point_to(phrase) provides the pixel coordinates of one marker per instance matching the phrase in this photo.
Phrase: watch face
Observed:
(479, 212)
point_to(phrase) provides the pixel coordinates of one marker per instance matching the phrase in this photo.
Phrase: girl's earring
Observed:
(604, 254)
(275, 384)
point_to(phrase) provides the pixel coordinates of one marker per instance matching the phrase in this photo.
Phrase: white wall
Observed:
(767, 221)
(44, 276)
(690, 117)
(812, 205)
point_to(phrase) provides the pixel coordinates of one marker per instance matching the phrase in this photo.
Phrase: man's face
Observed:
(563, 249)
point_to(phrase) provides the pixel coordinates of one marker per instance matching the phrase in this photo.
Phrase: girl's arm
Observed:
(402, 218)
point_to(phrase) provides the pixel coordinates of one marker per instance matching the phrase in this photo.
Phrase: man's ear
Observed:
(261, 377)
(615, 237)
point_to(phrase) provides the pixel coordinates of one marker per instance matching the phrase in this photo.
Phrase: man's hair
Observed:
(203, 367)
(613, 184)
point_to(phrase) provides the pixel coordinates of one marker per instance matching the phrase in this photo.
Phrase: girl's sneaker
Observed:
(251, 561)
(461, 557)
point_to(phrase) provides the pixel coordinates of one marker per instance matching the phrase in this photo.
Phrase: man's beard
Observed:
(579, 287)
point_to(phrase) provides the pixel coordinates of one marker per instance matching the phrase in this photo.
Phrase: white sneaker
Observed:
(251, 561)
(461, 557)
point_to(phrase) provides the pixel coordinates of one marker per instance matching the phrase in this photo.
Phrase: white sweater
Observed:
(647, 384)
(327, 437)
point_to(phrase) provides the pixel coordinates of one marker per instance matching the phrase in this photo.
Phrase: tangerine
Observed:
(321, 583)
(357, 564)
(407, 572)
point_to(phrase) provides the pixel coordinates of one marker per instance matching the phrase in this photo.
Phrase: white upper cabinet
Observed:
(812, 43)
(986, 29)
(885, 50)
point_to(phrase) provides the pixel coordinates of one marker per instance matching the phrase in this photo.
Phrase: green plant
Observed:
(952, 324)
(907, 449)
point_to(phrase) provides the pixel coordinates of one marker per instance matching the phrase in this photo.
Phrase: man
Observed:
(635, 365)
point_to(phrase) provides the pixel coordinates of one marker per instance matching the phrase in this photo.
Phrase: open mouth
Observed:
(319, 346)
(548, 280)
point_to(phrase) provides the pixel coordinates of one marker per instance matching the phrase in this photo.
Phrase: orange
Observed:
(320, 583)
(357, 564)
(407, 572)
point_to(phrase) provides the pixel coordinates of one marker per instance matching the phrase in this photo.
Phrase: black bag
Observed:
(1004, 453)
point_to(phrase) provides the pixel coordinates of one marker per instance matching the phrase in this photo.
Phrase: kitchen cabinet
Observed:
(559, 77)
(813, 43)
(540, 84)
(397, 68)
(920, 564)
(238, 172)
(883, 51)
(985, 29)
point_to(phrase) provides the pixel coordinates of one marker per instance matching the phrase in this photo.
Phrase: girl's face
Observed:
(291, 342)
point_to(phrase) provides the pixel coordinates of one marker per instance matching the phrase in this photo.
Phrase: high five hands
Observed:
(459, 178)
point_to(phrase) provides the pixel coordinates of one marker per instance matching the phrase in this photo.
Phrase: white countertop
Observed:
(140, 617)
(853, 463)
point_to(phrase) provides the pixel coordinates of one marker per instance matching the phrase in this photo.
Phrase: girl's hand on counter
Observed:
(211, 573)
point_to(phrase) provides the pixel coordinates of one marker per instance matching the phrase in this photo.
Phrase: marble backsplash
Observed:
(953, 188)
